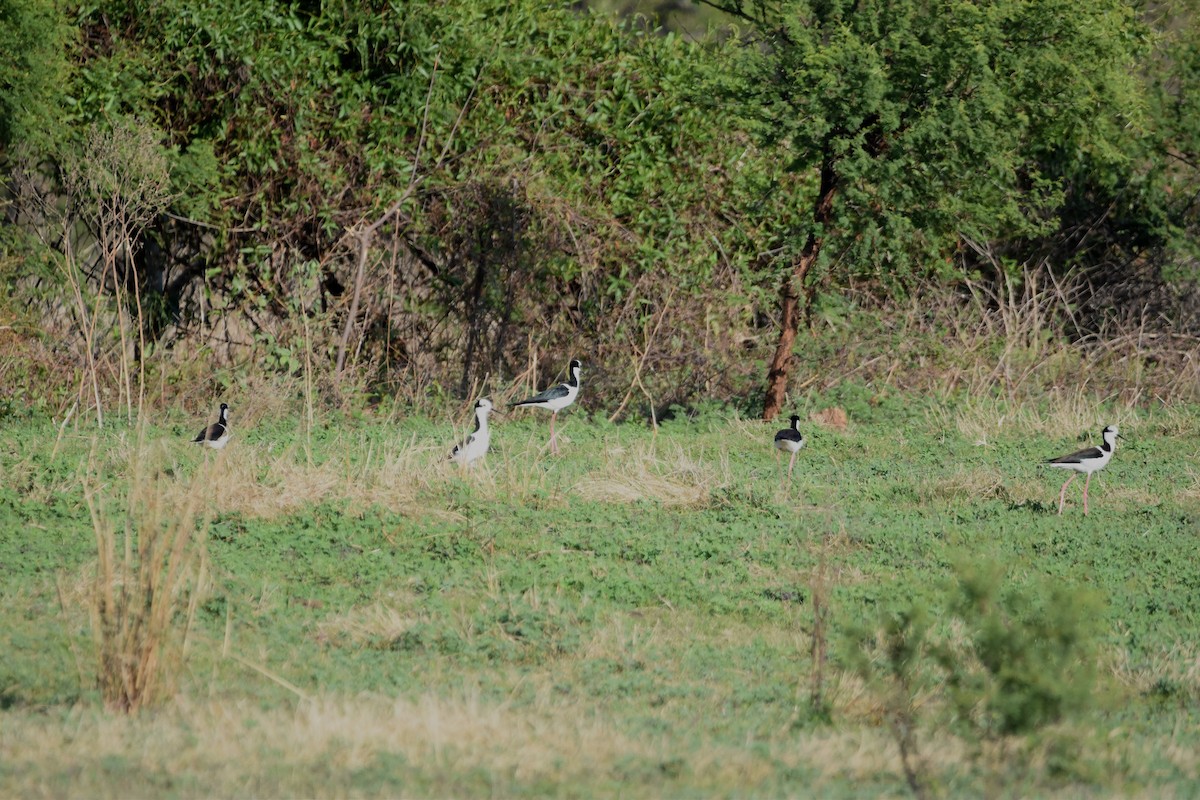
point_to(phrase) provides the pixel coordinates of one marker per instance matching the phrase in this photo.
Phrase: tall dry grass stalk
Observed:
(819, 589)
(113, 185)
(1068, 413)
(151, 571)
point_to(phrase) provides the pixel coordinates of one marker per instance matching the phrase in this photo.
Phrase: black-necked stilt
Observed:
(475, 446)
(1086, 461)
(790, 440)
(216, 435)
(556, 398)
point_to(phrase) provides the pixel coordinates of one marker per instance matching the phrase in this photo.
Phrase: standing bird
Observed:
(790, 440)
(216, 435)
(555, 399)
(1087, 461)
(475, 446)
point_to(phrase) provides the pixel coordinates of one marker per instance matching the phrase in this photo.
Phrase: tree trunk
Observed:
(777, 375)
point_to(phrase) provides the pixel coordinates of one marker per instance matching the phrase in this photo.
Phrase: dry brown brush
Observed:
(151, 570)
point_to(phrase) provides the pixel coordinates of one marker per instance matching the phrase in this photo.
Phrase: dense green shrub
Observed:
(34, 37)
(550, 170)
(1028, 658)
(441, 193)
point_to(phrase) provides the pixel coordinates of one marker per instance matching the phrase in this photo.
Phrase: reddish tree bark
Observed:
(790, 294)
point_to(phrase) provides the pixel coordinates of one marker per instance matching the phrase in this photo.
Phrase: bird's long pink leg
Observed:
(791, 464)
(1062, 496)
(1085, 488)
(553, 435)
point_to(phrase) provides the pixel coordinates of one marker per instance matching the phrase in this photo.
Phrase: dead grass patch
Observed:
(1191, 486)
(398, 476)
(257, 484)
(221, 746)
(1068, 415)
(1121, 495)
(966, 484)
(667, 474)
(385, 620)
(1173, 671)
(833, 418)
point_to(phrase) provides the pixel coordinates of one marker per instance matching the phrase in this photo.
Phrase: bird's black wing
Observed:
(553, 393)
(461, 446)
(210, 434)
(1086, 454)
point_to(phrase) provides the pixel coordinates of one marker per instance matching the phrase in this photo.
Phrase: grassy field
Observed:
(642, 616)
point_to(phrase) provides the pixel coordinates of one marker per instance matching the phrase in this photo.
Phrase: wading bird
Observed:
(790, 440)
(555, 399)
(1086, 461)
(217, 434)
(475, 446)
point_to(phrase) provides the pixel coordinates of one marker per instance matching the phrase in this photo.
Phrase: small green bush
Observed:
(1005, 660)
(1028, 659)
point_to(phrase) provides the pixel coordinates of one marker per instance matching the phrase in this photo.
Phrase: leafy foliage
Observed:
(296, 126)
(939, 119)
(533, 174)
(1010, 660)
(34, 36)
(1029, 658)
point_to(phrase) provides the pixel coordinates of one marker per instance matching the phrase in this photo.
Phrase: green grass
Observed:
(631, 618)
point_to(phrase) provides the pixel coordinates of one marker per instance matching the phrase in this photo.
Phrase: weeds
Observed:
(670, 476)
(1027, 659)
(822, 581)
(363, 580)
(1011, 664)
(150, 574)
(899, 678)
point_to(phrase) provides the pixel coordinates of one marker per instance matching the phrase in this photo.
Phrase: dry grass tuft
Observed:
(1174, 671)
(385, 620)
(151, 570)
(982, 419)
(833, 418)
(967, 484)
(644, 473)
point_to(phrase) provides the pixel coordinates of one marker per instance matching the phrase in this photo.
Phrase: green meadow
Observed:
(955, 239)
(652, 613)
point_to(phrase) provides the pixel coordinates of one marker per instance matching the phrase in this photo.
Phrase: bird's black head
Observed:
(576, 364)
